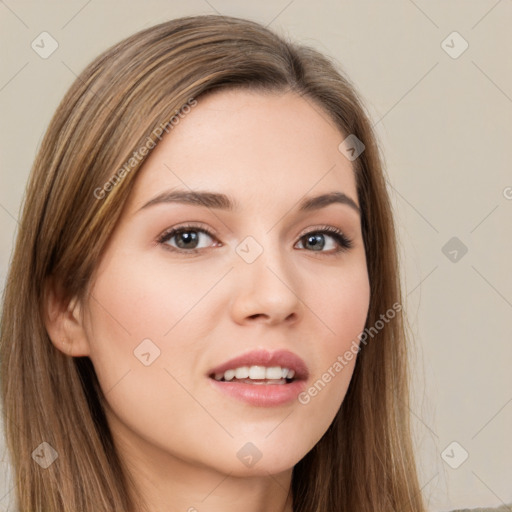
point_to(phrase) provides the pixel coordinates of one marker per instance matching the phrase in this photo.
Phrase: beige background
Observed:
(445, 126)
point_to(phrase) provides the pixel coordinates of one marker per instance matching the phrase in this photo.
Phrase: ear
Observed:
(64, 321)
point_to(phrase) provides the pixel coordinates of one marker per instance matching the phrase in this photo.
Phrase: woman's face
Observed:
(167, 309)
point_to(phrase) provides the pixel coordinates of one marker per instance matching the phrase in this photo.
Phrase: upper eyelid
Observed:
(187, 227)
(211, 232)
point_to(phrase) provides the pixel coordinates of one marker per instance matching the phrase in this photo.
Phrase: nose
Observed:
(266, 290)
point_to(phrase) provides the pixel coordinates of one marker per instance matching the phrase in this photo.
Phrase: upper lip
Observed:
(282, 358)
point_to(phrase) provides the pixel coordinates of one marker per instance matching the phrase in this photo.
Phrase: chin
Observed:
(244, 458)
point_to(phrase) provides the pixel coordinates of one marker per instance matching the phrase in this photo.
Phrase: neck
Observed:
(214, 492)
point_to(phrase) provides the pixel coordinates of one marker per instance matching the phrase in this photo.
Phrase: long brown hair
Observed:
(364, 462)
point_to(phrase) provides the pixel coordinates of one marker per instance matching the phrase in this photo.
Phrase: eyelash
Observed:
(343, 241)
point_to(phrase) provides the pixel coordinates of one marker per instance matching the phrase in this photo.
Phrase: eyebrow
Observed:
(224, 202)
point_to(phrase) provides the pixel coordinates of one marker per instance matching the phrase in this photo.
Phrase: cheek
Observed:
(145, 336)
(133, 301)
(343, 308)
(134, 313)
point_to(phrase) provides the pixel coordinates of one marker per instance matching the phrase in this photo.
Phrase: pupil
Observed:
(316, 241)
(187, 237)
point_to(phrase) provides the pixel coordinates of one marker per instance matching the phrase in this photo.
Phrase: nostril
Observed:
(257, 315)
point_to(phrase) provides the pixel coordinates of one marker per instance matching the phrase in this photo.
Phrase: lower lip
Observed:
(261, 395)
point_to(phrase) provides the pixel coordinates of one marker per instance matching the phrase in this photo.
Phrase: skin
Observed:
(178, 435)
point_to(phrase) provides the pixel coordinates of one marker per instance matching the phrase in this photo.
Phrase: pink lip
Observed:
(282, 358)
(263, 395)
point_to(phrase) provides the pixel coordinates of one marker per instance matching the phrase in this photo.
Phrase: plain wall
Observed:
(444, 122)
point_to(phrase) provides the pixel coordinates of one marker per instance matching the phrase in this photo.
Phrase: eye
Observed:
(317, 240)
(187, 238)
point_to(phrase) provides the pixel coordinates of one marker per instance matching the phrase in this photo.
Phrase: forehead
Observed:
(260, 148)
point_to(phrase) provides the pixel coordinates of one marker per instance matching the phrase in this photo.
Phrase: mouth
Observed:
(261, 378)
(261, 367)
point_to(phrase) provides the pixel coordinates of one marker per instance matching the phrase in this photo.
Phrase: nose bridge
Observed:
(262, 251)
(266, 282)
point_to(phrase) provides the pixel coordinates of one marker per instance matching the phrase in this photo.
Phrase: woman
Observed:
(203, 309)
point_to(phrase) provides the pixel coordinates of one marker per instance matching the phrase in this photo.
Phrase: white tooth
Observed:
(274, 372)
(257, 372)
(242, 372)
(229, 374)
